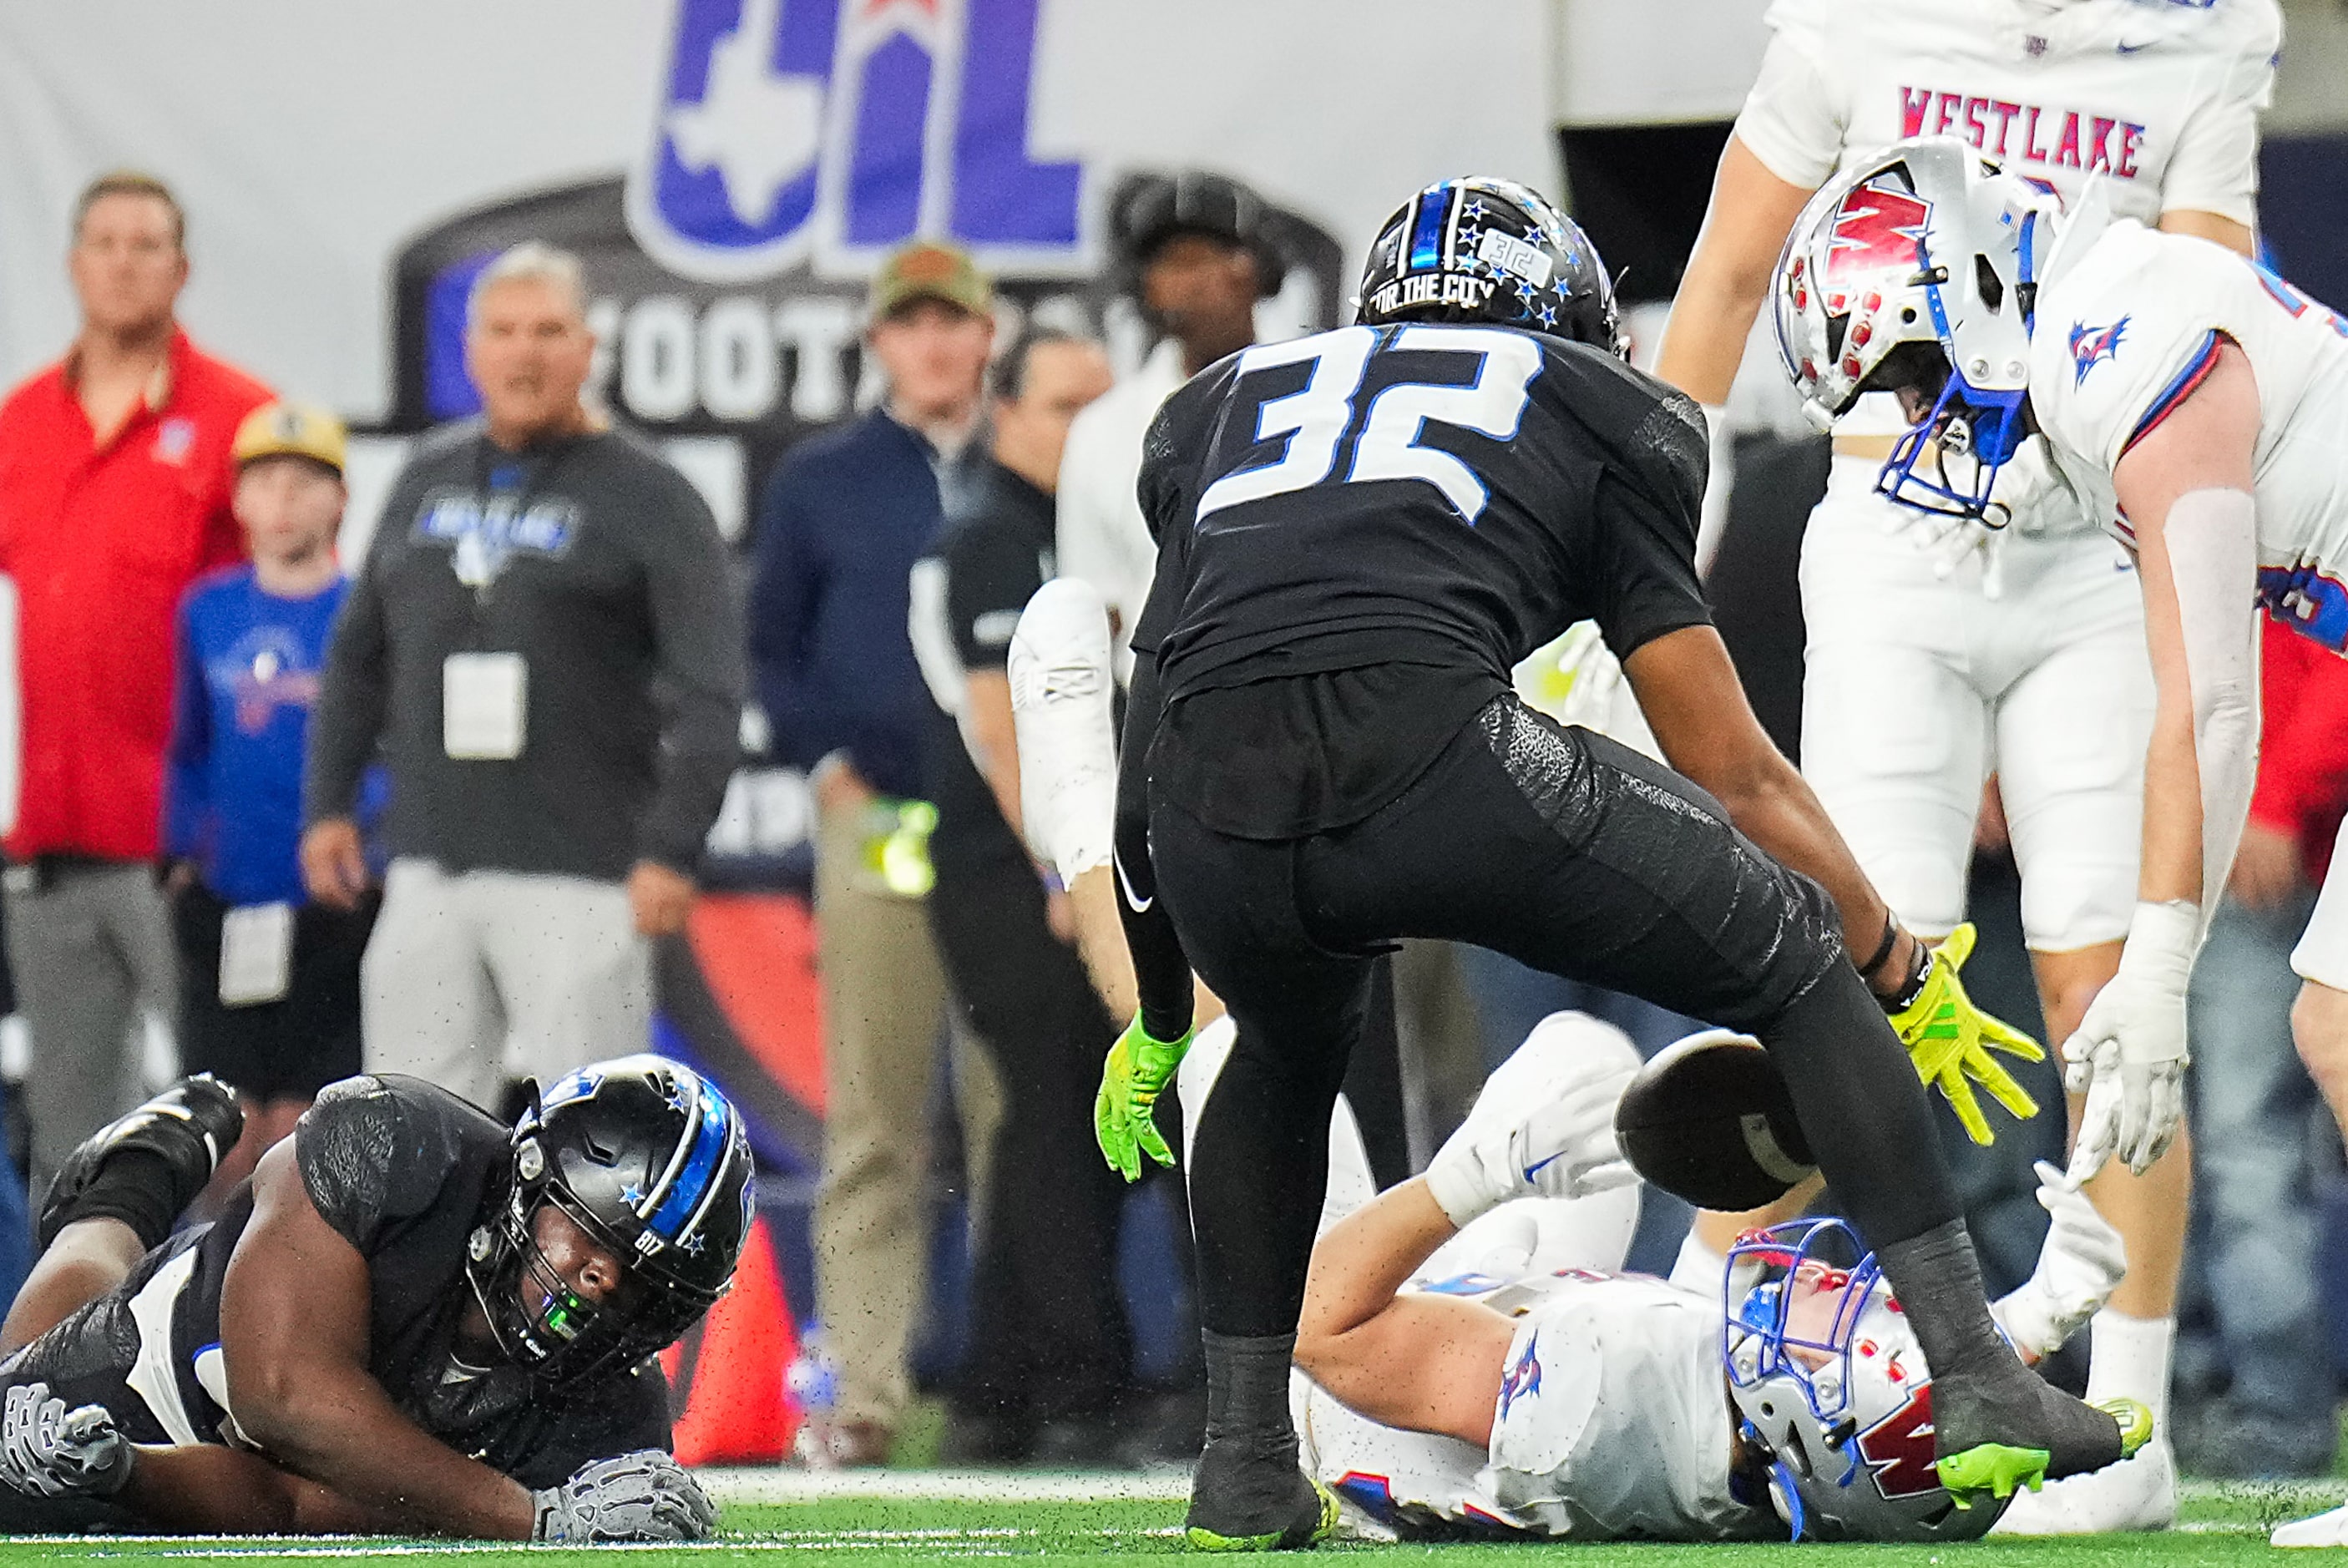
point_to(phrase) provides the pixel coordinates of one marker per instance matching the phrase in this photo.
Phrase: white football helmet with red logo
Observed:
(1926, 244)
(1830, 1380)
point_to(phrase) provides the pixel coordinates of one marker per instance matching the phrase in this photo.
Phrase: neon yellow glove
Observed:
(1138, 1071)
(1950, 1040)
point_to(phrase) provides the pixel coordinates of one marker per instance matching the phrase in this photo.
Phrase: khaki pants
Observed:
(884, 996)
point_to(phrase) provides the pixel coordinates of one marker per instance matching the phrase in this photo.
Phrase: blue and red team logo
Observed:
(2091, 345)
(1523, 1380)
(846, 127)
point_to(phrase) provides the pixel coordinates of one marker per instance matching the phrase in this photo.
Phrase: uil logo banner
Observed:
(838, 129)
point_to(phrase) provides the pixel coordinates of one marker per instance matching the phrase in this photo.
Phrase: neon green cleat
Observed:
(1301, 1534)
(2136, 1424)
(2000, 1470)
(1994, 1468)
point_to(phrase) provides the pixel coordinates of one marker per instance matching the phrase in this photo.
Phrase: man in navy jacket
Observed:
(843, 521)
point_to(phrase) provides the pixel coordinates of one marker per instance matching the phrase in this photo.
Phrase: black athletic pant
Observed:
(1570, 853)
(1049, 1337)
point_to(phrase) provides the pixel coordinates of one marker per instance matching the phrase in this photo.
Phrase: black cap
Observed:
(1149, 210)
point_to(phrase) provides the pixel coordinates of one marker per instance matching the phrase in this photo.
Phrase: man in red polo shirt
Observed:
(114, 494)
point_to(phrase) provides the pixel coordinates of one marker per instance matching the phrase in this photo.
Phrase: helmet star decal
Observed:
(1879, 228)
(2091, 345)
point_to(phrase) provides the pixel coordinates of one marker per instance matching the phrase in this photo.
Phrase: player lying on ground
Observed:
(2199, 407)
(1360, 533)
(1470, 1359)
(412, 1319)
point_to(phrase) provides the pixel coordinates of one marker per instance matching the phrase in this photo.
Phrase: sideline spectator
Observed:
(546, 645)
(843, 521)
(1191, 251)
(1050, 1351)
(114, 496)
(2253, 1099)
(269, 980)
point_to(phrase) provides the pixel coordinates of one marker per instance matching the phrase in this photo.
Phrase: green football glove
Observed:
(1138, 1071)
(1950, 1040)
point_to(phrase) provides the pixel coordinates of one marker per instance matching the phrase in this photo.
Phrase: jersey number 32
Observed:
(1385, 426)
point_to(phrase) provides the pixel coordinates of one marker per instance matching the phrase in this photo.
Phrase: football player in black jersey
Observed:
(1360, 533)
(412, 1319)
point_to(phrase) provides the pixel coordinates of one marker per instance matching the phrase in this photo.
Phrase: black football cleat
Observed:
(1251, 1497)
(189, 1127)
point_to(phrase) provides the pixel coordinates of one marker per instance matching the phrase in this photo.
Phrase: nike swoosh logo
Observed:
(1133, 901)
(1534, 1169)
(2125, 48)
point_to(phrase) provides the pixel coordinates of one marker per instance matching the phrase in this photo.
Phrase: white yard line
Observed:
(764, 1484)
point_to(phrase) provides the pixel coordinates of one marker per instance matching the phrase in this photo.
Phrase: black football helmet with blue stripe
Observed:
(651, 1159)
(1485, 250)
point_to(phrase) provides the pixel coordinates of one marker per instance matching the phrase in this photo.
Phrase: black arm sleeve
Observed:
(1161, 971)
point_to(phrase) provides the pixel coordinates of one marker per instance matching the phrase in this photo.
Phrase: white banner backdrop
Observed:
(312, 142)
(730, 172)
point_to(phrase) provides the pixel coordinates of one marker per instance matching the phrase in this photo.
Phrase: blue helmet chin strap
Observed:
(1987, 427)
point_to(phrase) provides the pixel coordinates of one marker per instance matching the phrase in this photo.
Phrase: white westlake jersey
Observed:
(2124, 333)
(1613, 1423)
(2161, 96)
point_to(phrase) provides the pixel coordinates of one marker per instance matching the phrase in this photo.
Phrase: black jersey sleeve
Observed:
(1647, 500)
(1171, 454)
(372, 1152)
(991, 573)
(618, 1416)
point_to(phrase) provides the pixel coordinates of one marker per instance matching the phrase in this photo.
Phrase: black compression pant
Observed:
(1571, 854)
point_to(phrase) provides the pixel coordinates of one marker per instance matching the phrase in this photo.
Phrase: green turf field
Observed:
(2222, 1526)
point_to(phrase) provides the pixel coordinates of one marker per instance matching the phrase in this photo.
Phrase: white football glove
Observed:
(640, 1496)
(2128, 1055)
(1543, 1127)
(46, 1451)
(2078, 1268)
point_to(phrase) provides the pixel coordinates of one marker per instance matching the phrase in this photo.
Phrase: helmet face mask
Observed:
(1927, 245)
(645, 1161)
(1830, 1382)
(1483, 250)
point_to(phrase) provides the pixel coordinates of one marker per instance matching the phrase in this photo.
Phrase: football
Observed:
(1709, 1121)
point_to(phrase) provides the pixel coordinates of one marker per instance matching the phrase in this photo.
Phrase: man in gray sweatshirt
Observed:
(546, 643)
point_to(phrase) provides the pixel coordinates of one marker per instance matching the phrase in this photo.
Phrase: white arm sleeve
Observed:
(1792, 119)
(2212, 538)
(2215, 168)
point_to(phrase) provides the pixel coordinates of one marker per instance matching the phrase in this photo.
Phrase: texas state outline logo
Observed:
(2091, 345)
(838, 130)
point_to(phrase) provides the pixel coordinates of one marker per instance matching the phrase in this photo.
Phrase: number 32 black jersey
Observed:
(1418, 494)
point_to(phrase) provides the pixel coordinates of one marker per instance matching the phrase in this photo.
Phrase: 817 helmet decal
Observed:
(1484, 250)
(649, 1158)
(1917, 273)
(1830, 1381)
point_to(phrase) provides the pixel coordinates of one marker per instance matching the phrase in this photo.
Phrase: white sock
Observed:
(1698, 1267)
(2130, 1360)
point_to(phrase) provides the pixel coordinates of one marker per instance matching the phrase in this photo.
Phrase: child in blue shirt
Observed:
(270, 982)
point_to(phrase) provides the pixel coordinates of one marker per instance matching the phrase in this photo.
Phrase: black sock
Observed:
(1247, 1388)
(1938, 1281)
(1862, 1110)
(136, 1186)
